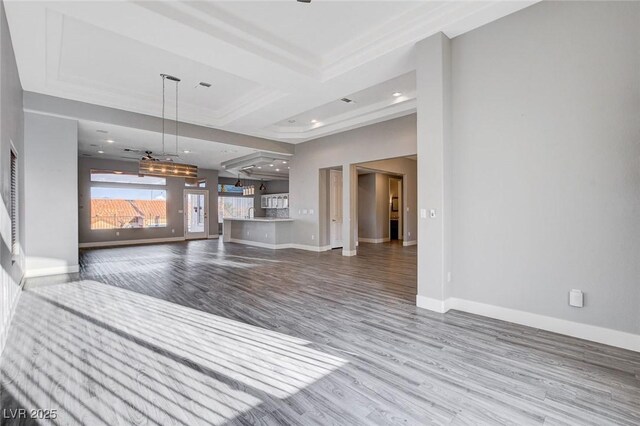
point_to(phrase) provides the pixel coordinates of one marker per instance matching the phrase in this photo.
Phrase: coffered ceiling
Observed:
(277, 69)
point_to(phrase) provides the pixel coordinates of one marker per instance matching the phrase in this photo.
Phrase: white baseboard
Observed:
(410, 243)
(607, 336)
(261, 245)
(281, 246)
(435, 305)
(349, 252)
(310, 248)
(131, 242)
(57, 270)
(373, 240)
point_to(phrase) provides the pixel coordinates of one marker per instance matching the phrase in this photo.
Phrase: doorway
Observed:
(196, 214)
(395, 208)
(335, 208)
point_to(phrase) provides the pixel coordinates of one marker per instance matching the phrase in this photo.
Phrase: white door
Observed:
(335, 208)
(196, 213)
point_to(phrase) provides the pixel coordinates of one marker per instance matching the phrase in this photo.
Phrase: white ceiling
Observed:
(268, 61)
(205, 154)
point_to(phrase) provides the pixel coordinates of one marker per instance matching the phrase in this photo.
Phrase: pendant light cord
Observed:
(176, 118)
(163, 78)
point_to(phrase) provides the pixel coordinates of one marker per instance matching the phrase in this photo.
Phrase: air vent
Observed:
(346, 100)
(205, 84)
(101, 131)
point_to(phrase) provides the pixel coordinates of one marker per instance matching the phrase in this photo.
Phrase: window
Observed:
(198, 183)
(125, 200)
(229, 189)
(13, 200)
(233, 207)
(126, 178)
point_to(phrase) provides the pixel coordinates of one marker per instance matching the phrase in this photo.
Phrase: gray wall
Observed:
(11, 132)
(408, 168)
(389, 139)
(367, 206)
(51, 194)
(175, 203)
(373, 206)
(546, 159)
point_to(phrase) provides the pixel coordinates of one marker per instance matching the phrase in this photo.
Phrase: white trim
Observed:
(373, 240)
(607, 336)
(435, 305)
(214, 237)
(261, 245)
(409, 243)
(311, 248)
(349, 252)
(281, 246)
(56, 270)
(130, 242)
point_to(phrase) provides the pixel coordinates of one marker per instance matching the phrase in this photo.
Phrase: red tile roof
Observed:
(107, 213)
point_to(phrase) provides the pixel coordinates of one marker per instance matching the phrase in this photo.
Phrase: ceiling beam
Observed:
(50, 105)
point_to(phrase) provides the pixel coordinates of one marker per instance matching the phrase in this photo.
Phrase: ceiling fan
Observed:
(147, 154)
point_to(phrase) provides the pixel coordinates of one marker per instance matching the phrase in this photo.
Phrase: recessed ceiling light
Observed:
(259, 167)
(289, 168)
(110, 141)
(314, 121)
(277, 170)
(270, 165)
(100, 152)
(186, 151)
(396, 94)
(284, 162)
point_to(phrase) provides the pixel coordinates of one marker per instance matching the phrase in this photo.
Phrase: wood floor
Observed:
(211, 333)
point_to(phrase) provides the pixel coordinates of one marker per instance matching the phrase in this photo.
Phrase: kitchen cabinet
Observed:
(275, 201)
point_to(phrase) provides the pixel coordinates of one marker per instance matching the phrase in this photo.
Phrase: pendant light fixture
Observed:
(238, 183)
(262, 186)
(168, 168)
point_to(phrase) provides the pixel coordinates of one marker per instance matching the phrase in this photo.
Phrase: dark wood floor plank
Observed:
(211, 333)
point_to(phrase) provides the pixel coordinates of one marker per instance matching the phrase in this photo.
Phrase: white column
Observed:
(434, 167)
(349, 209)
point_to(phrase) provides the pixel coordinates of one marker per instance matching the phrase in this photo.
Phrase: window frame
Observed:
(14, 206)
(130, 186)
(221, 216)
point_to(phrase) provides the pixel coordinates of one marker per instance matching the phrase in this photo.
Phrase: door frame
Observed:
(196, 235)
(335, 243)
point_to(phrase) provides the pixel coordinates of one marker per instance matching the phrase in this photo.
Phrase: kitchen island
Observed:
(273, 233)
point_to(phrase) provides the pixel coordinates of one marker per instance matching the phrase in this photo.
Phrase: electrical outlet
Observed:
(576, 298)
(266, 235)
(173, 231)
(409, 233)
(313, 237)
(117, 233)
(423, 213)
(432, 213)
(448, 277)
(311, 211)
